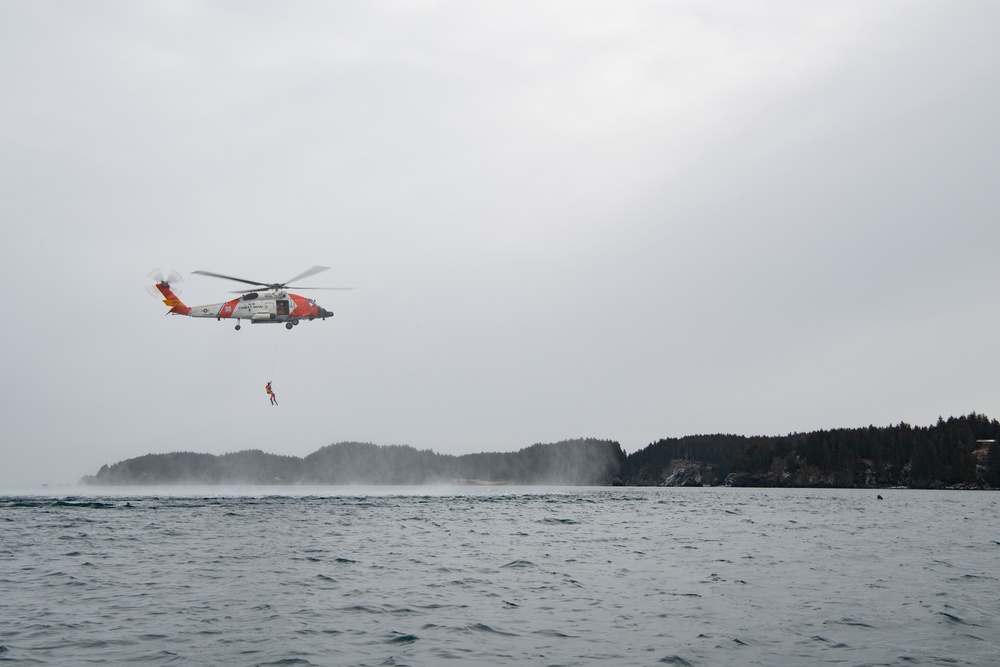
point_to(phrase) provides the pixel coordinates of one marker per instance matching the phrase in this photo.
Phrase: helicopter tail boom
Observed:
(177, 307)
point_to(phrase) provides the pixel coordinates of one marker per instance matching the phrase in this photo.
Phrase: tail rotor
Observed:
(169, 278)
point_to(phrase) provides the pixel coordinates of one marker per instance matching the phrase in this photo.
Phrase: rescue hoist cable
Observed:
(274, 358)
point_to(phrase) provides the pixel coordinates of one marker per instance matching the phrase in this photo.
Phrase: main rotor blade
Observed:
(309, 272)
(267, 287)
(239, 280)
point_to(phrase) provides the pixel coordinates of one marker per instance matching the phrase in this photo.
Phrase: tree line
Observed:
(582, 462)
(958, 452)
(954, 452)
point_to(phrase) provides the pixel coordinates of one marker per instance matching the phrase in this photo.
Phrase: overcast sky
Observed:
(622, 220)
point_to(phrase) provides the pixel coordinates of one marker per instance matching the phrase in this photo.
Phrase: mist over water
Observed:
(499, 576)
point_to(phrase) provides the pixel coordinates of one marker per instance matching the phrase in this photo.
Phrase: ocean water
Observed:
(499, 576)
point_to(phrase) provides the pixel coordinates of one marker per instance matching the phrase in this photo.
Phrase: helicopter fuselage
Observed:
(273, 306)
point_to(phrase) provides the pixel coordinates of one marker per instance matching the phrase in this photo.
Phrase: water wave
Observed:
(501, 577)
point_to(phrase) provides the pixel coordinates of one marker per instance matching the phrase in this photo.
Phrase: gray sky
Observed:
(624, 220)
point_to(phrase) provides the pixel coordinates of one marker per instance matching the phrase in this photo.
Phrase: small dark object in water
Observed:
(880, 497)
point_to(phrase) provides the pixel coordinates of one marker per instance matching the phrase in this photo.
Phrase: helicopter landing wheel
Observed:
(237, 327)
(288, 325)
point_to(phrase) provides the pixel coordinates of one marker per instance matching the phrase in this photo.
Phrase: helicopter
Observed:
(265, 303)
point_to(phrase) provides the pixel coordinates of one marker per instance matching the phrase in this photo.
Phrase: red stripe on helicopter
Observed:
(228, 308)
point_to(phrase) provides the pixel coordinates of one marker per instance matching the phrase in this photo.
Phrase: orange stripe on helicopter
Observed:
(228, 308)
(302, 307)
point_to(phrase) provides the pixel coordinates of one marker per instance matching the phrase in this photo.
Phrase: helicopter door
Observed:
(282, 306)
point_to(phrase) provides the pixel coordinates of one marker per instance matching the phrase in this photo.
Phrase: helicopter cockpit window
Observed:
(251, 296)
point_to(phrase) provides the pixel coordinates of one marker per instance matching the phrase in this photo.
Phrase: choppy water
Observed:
(501, 576)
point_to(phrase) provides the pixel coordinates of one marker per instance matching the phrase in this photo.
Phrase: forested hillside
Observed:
(959, 452)
(572, 462)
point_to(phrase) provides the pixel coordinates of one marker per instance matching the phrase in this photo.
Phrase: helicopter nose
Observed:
(323, 312)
